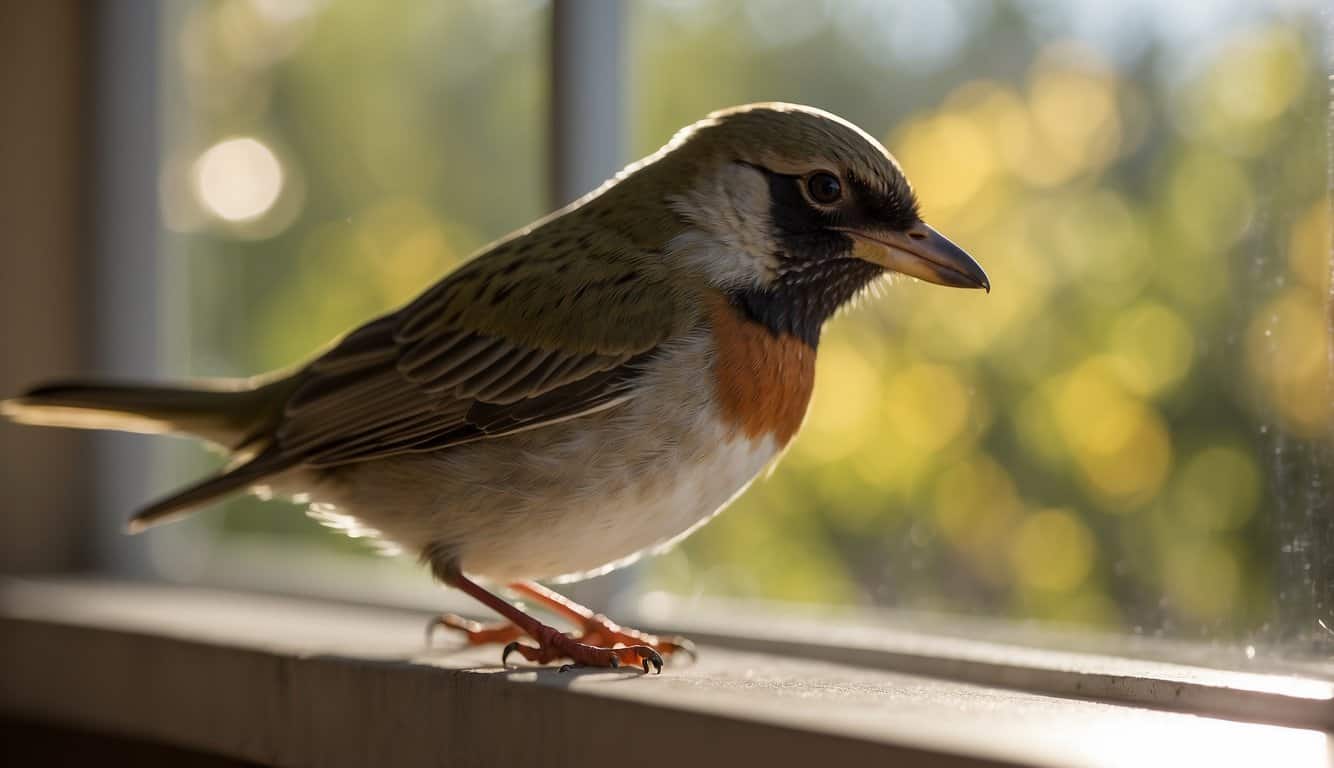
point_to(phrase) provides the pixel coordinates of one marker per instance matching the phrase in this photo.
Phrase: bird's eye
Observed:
(824, 188)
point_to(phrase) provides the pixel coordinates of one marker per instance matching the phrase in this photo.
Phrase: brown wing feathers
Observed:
(438, 373)
(427, 401)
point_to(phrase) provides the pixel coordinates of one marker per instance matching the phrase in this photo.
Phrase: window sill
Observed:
(286, 681)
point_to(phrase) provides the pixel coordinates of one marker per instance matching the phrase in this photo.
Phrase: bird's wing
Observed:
(509, 342)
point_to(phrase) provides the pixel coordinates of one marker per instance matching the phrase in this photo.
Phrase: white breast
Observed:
(607, 530)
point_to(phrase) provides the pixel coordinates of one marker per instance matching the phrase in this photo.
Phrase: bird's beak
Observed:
(921, 252)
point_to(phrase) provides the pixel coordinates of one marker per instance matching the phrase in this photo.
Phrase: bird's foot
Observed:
(597, 630)
(603, 643)
(475, 632)
(554, 644)
(600, 642)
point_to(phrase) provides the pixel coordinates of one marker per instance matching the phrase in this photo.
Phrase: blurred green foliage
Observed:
(1096, 441)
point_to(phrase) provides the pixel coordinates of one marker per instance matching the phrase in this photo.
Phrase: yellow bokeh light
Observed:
(1074, 109)
(1020, 146)
(1287, 349)
(1134, 470)
(1217, 489)
(1309, 247)
(949, 158)
(844, 405)
(408, 243)
(1052, 551)
(1150, 349)
(1009, 128)
(1211, 200)
(881, 468)
(1120, 443)
(1038, 431)
(1114, 264)
(238, 179)
(927, 407)
(419, 256)
(1260, 75)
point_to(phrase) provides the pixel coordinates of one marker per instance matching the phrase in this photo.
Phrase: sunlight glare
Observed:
(238, 179)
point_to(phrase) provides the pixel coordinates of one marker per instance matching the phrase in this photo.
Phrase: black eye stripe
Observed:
(795, 212)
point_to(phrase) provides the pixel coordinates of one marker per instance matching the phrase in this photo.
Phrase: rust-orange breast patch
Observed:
(762, 382)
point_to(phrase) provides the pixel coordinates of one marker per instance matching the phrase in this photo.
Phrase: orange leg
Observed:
(551, 643)
(475, 632)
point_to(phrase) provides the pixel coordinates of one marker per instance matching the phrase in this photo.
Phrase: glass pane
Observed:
(328, 161)
(1132, 431)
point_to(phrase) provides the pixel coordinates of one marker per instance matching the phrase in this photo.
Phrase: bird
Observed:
(587, 390)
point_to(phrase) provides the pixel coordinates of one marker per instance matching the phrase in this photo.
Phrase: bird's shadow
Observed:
(563, 677)
(552, 675)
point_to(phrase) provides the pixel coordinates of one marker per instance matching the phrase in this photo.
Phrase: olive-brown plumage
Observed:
(590, 388)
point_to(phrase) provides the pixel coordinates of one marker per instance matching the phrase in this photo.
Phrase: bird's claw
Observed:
(599, 630)
(557, 645)
(511, 648)
(598, 641)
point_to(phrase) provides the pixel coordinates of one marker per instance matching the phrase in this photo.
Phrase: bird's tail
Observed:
(227, 413)
(237, 415)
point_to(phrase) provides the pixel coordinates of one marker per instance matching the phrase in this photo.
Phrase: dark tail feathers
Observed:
(233, 414)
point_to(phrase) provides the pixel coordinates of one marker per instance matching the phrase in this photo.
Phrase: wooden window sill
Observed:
(294, 682)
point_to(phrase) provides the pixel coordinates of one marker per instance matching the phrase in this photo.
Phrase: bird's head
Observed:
(793, 211)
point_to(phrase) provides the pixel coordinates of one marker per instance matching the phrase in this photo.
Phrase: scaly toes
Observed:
(641, 656)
